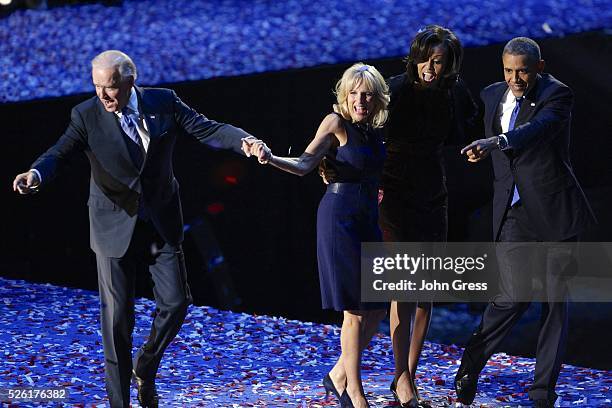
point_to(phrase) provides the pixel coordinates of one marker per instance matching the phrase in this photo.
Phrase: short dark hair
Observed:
(523, 46)
(421, 48)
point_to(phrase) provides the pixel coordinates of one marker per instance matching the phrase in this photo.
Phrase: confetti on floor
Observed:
(50, 338)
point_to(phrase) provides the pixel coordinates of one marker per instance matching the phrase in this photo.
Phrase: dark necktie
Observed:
(129, 126)
(515, 112)
(135, 147)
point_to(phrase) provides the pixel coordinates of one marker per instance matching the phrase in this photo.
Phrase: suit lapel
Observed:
(151, 117)
(113, 135)
(493, 110)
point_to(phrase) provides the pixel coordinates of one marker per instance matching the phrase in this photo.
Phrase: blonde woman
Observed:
(347, 215)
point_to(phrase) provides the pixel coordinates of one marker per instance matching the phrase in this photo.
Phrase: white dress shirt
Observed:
(143, 131)
(506, 107)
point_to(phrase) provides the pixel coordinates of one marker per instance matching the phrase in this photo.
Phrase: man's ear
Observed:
(541, 65)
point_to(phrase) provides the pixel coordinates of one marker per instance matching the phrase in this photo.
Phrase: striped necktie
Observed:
(129, 126)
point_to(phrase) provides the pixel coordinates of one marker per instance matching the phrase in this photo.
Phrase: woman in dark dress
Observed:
(347, 215)
(429, 105)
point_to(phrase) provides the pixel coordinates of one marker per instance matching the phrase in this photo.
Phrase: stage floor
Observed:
(50, 338)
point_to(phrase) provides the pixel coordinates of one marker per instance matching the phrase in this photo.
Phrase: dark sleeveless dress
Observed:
(348, 216)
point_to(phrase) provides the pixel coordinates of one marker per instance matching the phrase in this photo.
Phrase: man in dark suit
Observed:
(536, 198)
(128, 133)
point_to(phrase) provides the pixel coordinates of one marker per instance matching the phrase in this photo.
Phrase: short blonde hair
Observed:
(352, 78)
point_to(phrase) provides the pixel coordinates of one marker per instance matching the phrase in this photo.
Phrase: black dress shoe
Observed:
(329, 386)
(147, 394)
(465, 386)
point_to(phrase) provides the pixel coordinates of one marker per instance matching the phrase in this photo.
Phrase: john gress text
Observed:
(407, 285)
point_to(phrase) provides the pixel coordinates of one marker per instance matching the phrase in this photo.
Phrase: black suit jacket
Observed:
(538, 161)
(117, 186)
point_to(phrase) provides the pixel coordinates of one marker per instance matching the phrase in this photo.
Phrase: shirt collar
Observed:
(132, 102)
(509, 98)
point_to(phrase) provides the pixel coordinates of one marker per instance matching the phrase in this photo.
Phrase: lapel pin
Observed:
(532, 104)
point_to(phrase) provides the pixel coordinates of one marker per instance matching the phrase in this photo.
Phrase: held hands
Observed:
(247, 142)
(26, 183)
(480, 149)
(255, 147)
(327, 171)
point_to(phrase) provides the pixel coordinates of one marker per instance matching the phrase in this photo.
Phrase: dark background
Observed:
(250, 243)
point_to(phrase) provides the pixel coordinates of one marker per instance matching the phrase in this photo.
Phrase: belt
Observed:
(340, 188)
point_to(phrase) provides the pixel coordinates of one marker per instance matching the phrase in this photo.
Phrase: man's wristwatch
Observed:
(502, 143)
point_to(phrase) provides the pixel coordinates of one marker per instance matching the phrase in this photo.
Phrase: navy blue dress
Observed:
(348, 216)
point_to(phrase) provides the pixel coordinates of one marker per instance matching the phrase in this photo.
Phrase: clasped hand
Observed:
(255, 147)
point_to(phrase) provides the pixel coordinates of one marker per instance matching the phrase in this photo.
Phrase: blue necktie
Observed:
(135, 147)
(515, 112)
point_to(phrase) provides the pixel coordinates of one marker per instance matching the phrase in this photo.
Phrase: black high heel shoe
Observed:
(329, 386)
(345, 401)
(414, 402)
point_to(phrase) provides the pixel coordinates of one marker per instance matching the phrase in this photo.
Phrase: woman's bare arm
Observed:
(330, 128)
